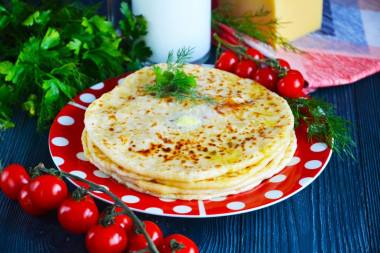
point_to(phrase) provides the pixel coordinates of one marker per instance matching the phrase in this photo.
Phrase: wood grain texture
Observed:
(338, 212)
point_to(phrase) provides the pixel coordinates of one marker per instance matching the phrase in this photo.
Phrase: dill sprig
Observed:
(183, 56)
(174, 82)
(254, 24)
(323, 124)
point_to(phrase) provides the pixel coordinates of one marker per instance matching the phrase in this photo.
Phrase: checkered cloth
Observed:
(344, 50)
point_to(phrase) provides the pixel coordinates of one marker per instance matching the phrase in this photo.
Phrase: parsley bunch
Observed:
(51, 52)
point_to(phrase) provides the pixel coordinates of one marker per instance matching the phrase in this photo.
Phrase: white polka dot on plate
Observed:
(218, 199)
(237, 205)
(97, 86)
(100, 174)
(66, 120)
(313, 164)
(182, 209)
(121, 80)
(60, 141)
(305, 181)
(81, 156)
(58, 160)
(295, 160)
(154, 210)
(274, 194)
(318, 147)
(130, 199)
(78, 173)
(167, 200)
(104, 187)
(87, 98)
(277, 178)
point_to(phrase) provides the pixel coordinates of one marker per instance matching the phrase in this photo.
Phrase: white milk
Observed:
(174, 24)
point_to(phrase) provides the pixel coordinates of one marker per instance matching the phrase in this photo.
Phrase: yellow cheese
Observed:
(296, 17)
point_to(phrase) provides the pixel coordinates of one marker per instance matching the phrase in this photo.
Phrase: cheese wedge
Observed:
(296, 17)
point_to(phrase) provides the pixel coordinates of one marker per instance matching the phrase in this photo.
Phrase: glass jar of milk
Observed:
(175, 24)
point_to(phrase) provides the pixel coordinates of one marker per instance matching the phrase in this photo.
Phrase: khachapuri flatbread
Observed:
(187, 150)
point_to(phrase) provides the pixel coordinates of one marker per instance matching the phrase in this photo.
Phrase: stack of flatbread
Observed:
(186, 150)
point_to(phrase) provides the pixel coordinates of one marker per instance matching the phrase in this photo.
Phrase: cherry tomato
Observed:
(47, 191)
(106, 239)
(77, 216)
(227, 61)
(284, 64)
(245, 69)
(27, 204)
(179, 243)
(297, 73)
(290, 86)
(138, 242)
(266, 77)
(123, 220)
(254, 53)
(12, 179)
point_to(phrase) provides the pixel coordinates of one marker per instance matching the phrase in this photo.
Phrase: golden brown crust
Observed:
(144, 134)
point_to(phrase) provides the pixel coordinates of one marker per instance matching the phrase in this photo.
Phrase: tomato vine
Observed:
(40, 168)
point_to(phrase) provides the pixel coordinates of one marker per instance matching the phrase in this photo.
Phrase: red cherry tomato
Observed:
(138, 242)
(47, 191)
(266, 77)
(254, 53)
(297, 73)
(227, 61)
(177, 243)
(123, 220)
(106, 239)
(27, 204)
(290, 86)
(77, 216)
(284, 64)
(245, 69)
(12, 179)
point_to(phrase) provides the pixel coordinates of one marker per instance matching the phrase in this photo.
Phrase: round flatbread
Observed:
(248, 179)
(180, 141)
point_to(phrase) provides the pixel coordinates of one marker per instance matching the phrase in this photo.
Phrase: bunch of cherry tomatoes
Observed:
(283, 80)
(80, 215)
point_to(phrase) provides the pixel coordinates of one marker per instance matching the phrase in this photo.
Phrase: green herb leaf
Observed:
(174, 82)
(5, 67)
(29, 21)
(51, 39)
(323, 124)
(75, 45)
(31, 105)
(132, 29)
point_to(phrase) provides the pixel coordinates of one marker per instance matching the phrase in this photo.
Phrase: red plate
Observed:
(67, 153)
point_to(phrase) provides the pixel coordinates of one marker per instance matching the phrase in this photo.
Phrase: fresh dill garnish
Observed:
(323, 124)
(254, 24)
(174, 82)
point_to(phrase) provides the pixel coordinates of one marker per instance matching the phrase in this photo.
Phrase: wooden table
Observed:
(338, 212)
